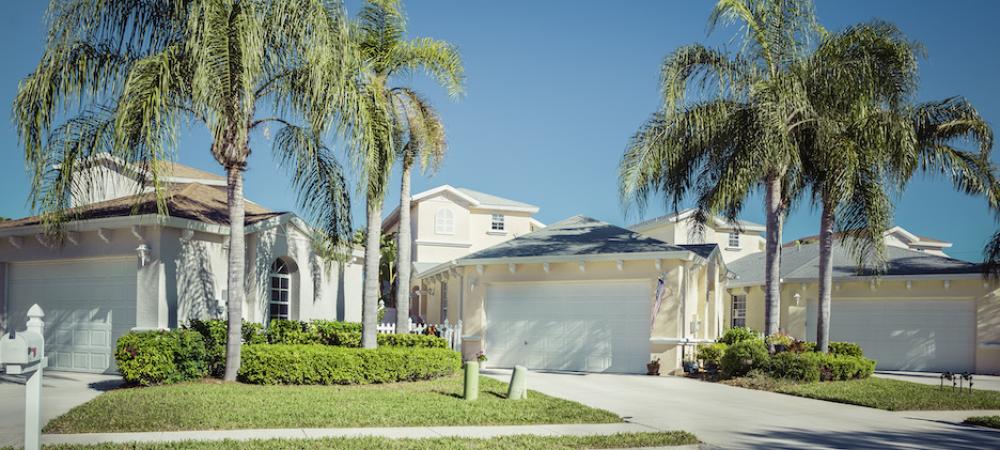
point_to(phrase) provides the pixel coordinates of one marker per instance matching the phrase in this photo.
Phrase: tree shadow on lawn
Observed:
(952, 437)
(462, 396)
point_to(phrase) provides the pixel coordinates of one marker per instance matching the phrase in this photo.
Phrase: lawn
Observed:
(881, 393)
(630, 440)
(212, 405)
(984, 421)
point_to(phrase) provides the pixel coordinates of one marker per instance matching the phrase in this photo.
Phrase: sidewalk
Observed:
(313, 433)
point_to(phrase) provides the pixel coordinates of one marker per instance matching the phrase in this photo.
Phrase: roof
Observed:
(575, 236)
(702, 250)
(688, 213)
(487, 200)
(194, 201)
(907, 238)
(178, 170)
(802, 263)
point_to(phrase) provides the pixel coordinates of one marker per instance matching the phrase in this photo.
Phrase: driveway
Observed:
(990, 382)
(61, 391)
(736, 418)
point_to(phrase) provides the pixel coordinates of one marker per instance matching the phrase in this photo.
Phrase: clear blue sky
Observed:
(556, 88)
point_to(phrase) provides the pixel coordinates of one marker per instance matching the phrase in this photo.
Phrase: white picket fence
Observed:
(451, 332)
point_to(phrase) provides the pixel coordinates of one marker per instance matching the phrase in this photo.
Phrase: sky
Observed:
(555, 89)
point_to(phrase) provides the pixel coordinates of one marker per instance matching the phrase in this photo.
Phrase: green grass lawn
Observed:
(881, 393)
(984, 421)
(212, 405)
(623, 440)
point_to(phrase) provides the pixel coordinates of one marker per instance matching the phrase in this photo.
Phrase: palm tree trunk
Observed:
(825, 279)
(403, 255)
(237, 294)
(772, 256)
(369, 304)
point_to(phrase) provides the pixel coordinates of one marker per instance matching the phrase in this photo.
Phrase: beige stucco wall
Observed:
(793, 317)
(685, 232)
(685, 282)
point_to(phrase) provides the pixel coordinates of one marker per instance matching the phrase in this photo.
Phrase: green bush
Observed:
(215, 333)
(812, 367)
(846, 349)
(291, 332)
(324, 364)
(711, 355)
(161, 357)
(326, 329)
(744, 356)
(353, 339)
(253, 333)
(738, 334)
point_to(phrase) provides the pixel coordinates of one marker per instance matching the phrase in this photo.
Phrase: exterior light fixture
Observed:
(797, 297)
(142, 252)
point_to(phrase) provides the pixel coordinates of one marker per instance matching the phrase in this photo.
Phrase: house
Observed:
(925, 312)
(583, 295)
(897, 237)
(735, 239)
(448, 223)
(122, 266)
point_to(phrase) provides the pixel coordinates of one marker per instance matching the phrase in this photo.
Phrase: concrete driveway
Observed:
(61, 391)
(735, 418)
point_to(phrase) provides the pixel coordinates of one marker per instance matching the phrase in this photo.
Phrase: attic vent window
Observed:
(444, 221)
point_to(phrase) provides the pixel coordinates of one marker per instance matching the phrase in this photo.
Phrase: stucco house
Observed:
(584, 295)
(735, 239)
(448, 223)
(122, 266)
(926, 312)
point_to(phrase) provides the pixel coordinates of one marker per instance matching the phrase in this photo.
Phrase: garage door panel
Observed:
(88, 304)
(920, 335)
(569, 326)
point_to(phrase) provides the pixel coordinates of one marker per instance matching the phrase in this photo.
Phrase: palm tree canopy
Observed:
(132, 74)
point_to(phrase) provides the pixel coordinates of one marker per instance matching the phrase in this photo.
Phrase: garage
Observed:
(582, 326)
(915, 335)
(88, 304)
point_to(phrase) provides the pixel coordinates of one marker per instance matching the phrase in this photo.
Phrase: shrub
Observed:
(711, 355)
(253, 333)
(802, 346)
(353, 339)
(780, 338)
(323, 364)
(161, 357)
(744, 356)
(795, 366)
(812, 367)
(846, 349)
(325, 329)
(215, 333)
(738, 334)
(290, 332)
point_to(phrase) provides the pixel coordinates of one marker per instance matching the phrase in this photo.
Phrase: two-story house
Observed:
(735, 239)
(448, 223)
(122, 265)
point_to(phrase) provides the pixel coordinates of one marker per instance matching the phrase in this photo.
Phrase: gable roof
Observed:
(577, 236)
(899, 232)
(194, 201)
(491, 201)
(717, 221)
(802, 263)
(472, 198)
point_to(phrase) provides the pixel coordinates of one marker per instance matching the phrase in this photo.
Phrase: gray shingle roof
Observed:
(575, 236)
(802, 263)
(492, 200)
(702, 250)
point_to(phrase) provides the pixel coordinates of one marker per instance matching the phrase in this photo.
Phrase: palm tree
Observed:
(739, 135)
(398, 123)
(141, 70)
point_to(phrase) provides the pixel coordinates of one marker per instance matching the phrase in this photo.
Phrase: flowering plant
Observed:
(481, 356)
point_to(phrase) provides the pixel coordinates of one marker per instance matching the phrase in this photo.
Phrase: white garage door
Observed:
(920, 335)
(591, 327)
(88, 304)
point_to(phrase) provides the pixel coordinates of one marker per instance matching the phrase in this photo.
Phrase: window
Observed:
(739, 315)
(734, 239)
(496, 222)
(444, 221)
(280, 288)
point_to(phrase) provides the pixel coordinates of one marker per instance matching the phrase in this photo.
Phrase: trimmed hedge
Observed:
(353, 339)
(813, 367)
(215, 332)
(161, 357)
(846, 349)
(738, 334)
(744, 356)
(324, 364)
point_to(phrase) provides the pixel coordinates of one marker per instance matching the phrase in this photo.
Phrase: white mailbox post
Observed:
(23, 353)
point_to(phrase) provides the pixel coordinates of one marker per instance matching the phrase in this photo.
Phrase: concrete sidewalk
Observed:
(314, 433)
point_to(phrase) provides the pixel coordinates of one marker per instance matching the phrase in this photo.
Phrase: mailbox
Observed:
(21, 348)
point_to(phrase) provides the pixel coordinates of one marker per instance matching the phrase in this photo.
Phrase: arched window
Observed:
(444, 221)
(281, 282)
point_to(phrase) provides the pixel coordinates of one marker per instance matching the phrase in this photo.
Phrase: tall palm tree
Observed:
(739, 136)
(141, 70)
(398, 123)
